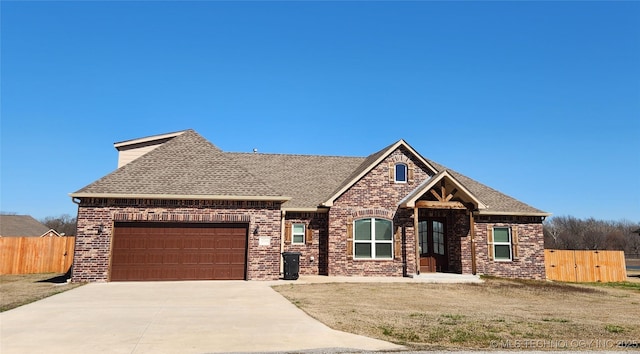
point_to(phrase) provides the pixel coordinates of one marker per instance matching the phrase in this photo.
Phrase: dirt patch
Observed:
(17, 290)
(496, 314)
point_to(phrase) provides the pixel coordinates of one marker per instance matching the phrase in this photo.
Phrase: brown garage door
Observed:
(167, 251)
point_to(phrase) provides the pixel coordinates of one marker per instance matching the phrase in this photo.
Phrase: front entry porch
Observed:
(443, 219)
(441, 233)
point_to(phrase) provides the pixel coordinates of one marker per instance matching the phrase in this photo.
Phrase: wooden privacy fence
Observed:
(26, 255)
(585, 266)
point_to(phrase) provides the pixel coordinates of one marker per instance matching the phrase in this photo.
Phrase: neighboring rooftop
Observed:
(21, 225)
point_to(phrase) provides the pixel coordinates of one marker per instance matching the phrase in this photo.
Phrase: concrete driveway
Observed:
(170, 317)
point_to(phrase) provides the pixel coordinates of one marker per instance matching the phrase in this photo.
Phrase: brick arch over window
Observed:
(401, 160)
(372, 213)
(375, 213)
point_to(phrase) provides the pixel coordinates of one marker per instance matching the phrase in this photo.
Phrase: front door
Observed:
(433, 250)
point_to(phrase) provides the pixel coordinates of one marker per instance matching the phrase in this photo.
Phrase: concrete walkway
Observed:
(440, 278)
(184, 317)
(170, 317)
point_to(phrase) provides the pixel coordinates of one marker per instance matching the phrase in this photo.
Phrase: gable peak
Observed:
(130, 150)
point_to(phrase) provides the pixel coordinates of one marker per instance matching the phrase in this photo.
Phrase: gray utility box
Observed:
(291, 265)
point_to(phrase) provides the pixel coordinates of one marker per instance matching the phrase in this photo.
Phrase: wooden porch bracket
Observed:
(426, 204)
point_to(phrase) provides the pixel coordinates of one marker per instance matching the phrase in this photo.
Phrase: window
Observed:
(431, 237)
(423, 232)
(297, 233)
(438, 237)
(401, 173)
(502, 243)
(373, 239)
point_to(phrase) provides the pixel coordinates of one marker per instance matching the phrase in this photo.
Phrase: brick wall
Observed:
(375, 196)
(530, 262)
(92, 251)
(313, 261)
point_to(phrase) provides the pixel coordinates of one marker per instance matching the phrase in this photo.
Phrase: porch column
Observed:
(417, 238)
(472, 234)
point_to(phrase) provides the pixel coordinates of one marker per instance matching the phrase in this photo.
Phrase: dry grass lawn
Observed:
(20, 289)
(499, 313)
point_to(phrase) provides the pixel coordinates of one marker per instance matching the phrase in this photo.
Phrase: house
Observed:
(178, 207)
(23, 226)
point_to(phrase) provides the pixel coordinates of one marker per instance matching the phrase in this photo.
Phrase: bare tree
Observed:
(63, 224)
(568, 232)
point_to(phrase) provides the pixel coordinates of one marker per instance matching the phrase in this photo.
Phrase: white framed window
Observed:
(373, 239)
(401, 173)
(297, 233)
(502, 244)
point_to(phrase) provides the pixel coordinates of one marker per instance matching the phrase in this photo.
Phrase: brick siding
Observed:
(530, 262)
(375, 196)
(313, 258)
(92, 251)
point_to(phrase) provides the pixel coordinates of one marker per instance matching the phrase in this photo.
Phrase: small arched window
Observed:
(401, 173)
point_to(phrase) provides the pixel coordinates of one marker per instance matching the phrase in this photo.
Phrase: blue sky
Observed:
(540, 100)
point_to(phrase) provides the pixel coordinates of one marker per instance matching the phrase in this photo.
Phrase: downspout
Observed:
(283, 213)
(472, 233)
(76, 201)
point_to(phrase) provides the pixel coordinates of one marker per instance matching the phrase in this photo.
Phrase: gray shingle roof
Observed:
(361, 167)
(307, 179)
(21, 225)
(189, 165)
(496, 201)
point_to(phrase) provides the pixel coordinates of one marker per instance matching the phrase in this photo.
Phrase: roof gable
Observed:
(185, 167)
(371, 162)
(160, 138)
(457, 190)
(497, 203)
(52, 233)
(130, 150)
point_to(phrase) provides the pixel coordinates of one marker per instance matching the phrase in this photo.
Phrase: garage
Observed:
(144, 251)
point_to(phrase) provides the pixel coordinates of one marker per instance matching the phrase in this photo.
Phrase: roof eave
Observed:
(306, 210)
(513, 213)
(50, 231)
(180, 196)
(120, 144)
